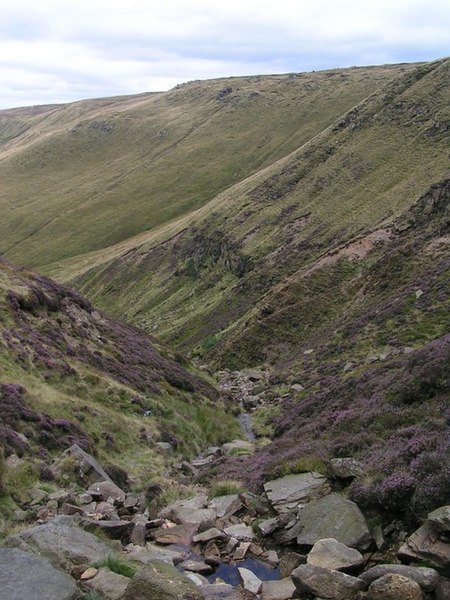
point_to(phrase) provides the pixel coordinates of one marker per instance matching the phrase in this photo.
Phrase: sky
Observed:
(64, 50)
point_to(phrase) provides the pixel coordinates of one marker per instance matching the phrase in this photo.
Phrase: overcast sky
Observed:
(64, 50)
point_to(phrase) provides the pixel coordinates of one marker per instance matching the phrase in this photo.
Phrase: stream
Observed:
(245, 421)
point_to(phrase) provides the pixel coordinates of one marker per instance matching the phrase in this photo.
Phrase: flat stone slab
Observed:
(325, 583)
(333, 517)
(197, 566)
(283, 589)
(249, 580)
(208, 535)
(194, 511)
(286, 493)
(61, 542)
(26, 576)
(240, 532)
(425, 544)
(180, 534)
(110, 585)
(331, 554)
(151, 552)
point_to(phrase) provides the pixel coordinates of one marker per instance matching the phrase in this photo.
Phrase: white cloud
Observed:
(60, 51)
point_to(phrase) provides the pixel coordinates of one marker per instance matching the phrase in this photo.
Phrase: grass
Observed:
(225, 488)
(117, 565)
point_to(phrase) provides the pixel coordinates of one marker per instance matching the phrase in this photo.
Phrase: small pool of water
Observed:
(229, 573)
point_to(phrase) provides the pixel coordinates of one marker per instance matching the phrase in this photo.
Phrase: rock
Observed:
(151, 552)
(110, 585)
(238, 447)
(268, 526)
(85, 498)
(202, 462)
(89, 468)
(278, 590)
(345, 468)
(211, 553)
(199, 580)
(425, 544)
(160, 581)
(378, 537)
(208, 535)
(250, 402)
(249, 580)
(25, 576)
(289, 562)
(180, 534)
(256, 549)
(131, 502)
(272, 557)
(297, 387)
(139, 534)
(106, 489)
(193, 511)
(226, 505)
(71, 509)
(196, 566)
(326, 583)
(38, 497)
(222, 591)
(241, 551)
(440, 518)
(333, 517)
(331, 554)
(61, 542)
(442, 591)
(288, 492)
(394, 587)
(231, 545)
(115, 530)
(88, 574)
(165, 447)
(240, 532)
(427, 578)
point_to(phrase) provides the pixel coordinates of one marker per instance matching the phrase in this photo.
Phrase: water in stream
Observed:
(229, 573)
(245, 421)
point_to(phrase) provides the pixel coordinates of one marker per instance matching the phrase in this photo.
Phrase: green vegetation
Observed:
(224, 488)
(117, 565)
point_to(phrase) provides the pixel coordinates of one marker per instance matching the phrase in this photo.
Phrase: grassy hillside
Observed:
(248, 276)
(84, 176)
(69, 374)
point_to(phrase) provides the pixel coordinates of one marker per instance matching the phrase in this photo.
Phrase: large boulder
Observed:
(333, 517)
(111, 586)
(103, 490)
(286, 493)
(25, 576)
(194, 511)
(226, 505)
(325, 583)
(440, 518)
(87, 467)
(427, 578)
(160, 581)
(283, 589)
(180, 534)
(331, 554)
(62, 542)
(394, 587)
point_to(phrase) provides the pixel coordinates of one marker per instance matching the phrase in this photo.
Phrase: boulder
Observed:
(440, 518)
(424, 544)
(333, 517)
(268, 526)
(326, 583)
(196, 566)
(104, 490)
(331, 554)
(62, 542)
(222, 591)
(226, 505)
(88, 467)
(394, 587)
(115, 530)
(151, 552)
(111, 586)
(240, 532)
(443, 590)
(208, 535)
(283, 589)
(289, 562)
(288, 492)
(241, 551)
(194, 511)
(180, 534)
(345, 468)
(160, 581)
(427, 578)
(25, 576)
(249, 580)
(211, 553)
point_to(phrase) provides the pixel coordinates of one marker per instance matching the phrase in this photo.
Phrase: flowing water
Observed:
(229, 573)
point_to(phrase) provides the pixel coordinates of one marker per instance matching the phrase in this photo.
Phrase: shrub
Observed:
(2, 469)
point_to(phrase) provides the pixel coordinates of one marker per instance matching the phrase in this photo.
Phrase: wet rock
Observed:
(440, 518)
(326, 583)
(427, 578)
(425, 544)
(161, 581)
(289, 562)
(240, 532)
(394, 587)
(288, 492)
(62, 542)
(249, 580)
(331, 554)
(333, 517)
(283, 589)
(111, 586)
(31, 577)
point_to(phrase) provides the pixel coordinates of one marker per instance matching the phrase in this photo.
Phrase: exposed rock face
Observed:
(394, 587)
(331, 554)
(288, 492)
(326, 583)
(61, 542)
(345, 468)
(425, 544)
(25, 576)
(160, 581)
(333, 517)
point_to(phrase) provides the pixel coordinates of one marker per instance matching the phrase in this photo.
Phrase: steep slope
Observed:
(253, 273)
(84, 176)
(69, 374)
